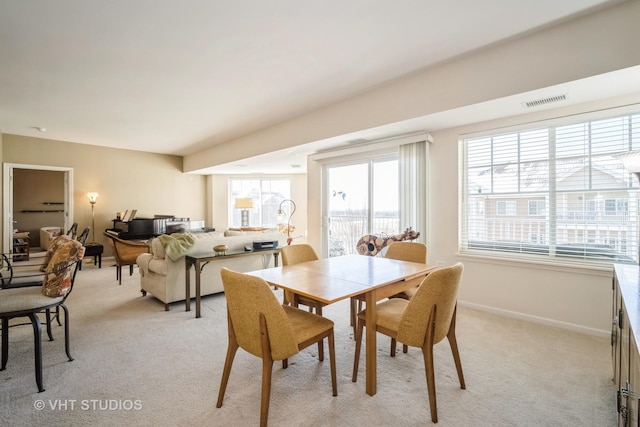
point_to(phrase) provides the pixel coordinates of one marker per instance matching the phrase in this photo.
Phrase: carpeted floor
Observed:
(136, 364)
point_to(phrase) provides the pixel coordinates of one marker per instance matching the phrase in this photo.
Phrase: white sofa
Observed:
(165, 279)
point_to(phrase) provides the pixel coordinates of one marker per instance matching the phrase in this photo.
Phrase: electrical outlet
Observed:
(440, 263)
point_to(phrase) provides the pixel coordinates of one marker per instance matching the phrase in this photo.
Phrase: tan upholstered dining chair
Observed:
(406, 251)
(260, 325)
(423, 321)
(295, 254)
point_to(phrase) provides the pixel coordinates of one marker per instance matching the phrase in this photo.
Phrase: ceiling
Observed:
(176, 77)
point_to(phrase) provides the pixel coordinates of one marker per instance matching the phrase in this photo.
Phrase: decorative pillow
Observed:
(57, 279)
(53, 247)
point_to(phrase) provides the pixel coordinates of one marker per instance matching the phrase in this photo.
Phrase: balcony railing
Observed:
(346, 230)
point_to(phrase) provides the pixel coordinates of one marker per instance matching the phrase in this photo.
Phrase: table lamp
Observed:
(245, 204)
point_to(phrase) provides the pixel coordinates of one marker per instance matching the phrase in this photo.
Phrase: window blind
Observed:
(553, 192)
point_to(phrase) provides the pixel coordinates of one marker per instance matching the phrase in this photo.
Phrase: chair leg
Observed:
(48, 319)
(453, 342)
(332, 361)
(427, 354)
(66, 332)
(37, 344)
(119, 275)
(267, 369)
(356, 358)
(5, 343)
(352, 315)
(321, 342)
(231, 353)
(131, 270)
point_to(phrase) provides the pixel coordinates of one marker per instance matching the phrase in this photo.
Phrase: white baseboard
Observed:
(536, 319)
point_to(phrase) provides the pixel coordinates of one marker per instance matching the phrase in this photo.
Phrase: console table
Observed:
(202, 259)
(624, 340)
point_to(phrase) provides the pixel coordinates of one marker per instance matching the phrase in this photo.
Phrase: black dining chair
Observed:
(57, 283)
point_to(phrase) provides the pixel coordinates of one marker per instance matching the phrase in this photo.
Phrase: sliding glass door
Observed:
(360, 198)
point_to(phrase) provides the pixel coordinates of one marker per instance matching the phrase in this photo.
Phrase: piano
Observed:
(146, 228)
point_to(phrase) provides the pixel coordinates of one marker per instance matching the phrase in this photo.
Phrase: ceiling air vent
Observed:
(544, 101)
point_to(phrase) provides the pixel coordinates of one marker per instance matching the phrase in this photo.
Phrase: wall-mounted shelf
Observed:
(42, 211)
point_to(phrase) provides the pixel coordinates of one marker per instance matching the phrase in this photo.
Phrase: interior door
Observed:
(8, 202)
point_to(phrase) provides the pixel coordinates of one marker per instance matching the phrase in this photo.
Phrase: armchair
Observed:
(47, 234)
(125, 252)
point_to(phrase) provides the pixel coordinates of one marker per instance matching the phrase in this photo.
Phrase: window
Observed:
(536, 207)
(559, 192)
(267, 194)
(616, 207)
(362, 198)
(506, 208)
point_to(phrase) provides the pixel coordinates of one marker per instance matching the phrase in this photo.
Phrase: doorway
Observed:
(39, 208)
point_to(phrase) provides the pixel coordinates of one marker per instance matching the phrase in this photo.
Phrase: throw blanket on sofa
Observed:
(177, 244)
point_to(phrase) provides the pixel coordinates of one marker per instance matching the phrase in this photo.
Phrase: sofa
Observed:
(164, 278)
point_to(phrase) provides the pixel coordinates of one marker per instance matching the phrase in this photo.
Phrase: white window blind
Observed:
(556, 192)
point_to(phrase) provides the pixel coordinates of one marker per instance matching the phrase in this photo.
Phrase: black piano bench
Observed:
(95, 250)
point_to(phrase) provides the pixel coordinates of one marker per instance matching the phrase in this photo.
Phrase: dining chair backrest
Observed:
(436, 295)
(73, 231)
(295, 254)
(407, 251)
(82, 237)
(247, 297)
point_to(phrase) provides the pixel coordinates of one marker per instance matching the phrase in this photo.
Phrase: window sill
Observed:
(604, 269)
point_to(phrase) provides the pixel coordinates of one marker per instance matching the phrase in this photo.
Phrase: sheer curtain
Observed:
(413, 169)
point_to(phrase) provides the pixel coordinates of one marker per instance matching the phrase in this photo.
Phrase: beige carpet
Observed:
(136, 364)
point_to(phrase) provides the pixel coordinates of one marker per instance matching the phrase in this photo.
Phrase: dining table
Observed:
(330, 280)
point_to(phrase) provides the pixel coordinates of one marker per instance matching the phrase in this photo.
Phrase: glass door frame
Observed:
(370, 162)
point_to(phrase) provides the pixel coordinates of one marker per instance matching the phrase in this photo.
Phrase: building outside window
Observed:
(554, 191)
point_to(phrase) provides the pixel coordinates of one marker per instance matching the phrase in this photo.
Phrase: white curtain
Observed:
(414, 165)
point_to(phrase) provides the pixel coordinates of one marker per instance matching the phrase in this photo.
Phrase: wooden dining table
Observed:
(330, 280)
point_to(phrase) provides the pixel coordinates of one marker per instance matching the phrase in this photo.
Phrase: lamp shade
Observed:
(92, 197)
(244, 203)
